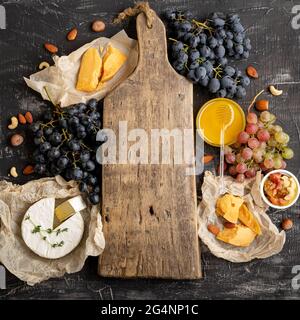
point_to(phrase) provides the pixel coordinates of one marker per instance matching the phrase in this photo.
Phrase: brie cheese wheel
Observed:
(39, 235)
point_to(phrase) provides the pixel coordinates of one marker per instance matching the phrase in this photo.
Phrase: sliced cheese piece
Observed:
(69, 207)
(239, 236)
(39, 235)
(228, 207)
(90, 71)
(248, 219)
(113, 60)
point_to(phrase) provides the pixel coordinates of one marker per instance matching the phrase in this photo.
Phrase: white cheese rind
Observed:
(42, 213)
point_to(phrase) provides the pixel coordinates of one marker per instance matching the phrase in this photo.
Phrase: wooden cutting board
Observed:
(149, 210)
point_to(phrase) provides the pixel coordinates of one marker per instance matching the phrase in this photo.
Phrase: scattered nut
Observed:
(251, 72)
(286, 224)
(51, 47)
(14, 123)
(21, 118)
(98, 26)
(229, 225)
(213, 229)
(13, 172)
(28, 117)
(207, 158)
(262, 105)
(274, 91)
(28, 170)
(44, 65)
(72, 35)
(16, 140)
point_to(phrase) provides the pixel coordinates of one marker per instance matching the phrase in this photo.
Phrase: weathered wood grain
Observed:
(275, 52)
(149, 210)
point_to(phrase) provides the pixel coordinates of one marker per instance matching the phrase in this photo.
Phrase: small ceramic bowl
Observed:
(264, 197)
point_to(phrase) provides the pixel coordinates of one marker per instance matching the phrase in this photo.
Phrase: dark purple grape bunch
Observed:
(200, 51)
(66, 145)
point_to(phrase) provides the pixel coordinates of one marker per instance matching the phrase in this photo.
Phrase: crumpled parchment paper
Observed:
(60, 79)
(269, 243)
(16, 256)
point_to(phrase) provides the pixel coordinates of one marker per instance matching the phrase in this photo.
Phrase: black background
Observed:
(275, 53)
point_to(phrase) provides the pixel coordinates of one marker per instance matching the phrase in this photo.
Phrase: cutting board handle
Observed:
(152, 42)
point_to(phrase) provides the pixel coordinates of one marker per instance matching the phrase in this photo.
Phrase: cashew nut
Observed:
(13, 172)
(44, 65)
(274, 91)
(14, 123)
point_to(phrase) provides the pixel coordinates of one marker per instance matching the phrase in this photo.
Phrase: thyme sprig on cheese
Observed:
(38, 229)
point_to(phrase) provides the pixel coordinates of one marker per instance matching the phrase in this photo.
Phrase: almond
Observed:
(72, 35)
(251, 72)
(213, 229)
(28, 170)
(98, 26)
(229, 225)
(207, 158)
(28, 117)
(287, 224)
(21, 118)
(51, 47)
(262, 105)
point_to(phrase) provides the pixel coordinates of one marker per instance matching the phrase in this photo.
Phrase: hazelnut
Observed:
(286, 224)
(98, 26)
(16, 140)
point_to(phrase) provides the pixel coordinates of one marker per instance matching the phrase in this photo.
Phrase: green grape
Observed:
(287, 153)
(282, 137)
(269, 155)
(272, 142)
(272, 118)
(265, 116)
(277, 128)
(277, 160)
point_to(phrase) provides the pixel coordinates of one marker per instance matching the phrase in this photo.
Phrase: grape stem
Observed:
(254, 99)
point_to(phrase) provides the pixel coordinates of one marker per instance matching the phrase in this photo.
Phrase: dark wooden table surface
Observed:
(275, 53)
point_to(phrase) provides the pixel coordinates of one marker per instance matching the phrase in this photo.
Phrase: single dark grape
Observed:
(94, 198)
(62, 162)
(212, 42)
(192, 76)
(83, 187)
(48, 131)
(240, 91)
(194, 55)
(40, 168)
(55, 138)
(85, 156)
(90, 165)
(39, 133)
(244, 81)
(226, 82)
(214, 85)
(220, 52)
(92, 104)
(35, 126)
(62, 123)
(204, 51)
(74, 145)
(221, 93)
(200, 73)
(203, 38)
(92, 180)
(229, 71)
(45, 146)
(77, 174)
